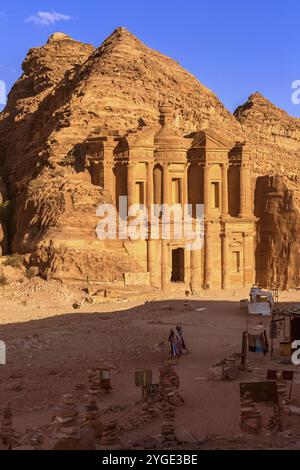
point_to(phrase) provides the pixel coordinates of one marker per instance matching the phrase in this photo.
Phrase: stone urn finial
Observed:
(166, 114)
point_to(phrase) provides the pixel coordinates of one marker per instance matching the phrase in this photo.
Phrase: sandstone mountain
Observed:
(69, 91)
(275, 140)
(272, 133)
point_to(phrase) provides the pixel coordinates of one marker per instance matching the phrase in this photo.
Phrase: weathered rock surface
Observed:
(4, 239)
(274, 137)
(277, 257)
(69, 91)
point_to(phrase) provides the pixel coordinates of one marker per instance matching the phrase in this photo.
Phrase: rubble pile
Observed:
(37, 440)
(226, 369)
(8, 435)
(251, 419)
(150, 408)
(66, 422)
(110, 436)
(92, 419)
(168, 435)
(94, 388)
(283, 390)
(169, 384)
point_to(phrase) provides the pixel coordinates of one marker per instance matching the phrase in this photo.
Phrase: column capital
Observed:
(108, 163)
(245, 165)
(225, 234)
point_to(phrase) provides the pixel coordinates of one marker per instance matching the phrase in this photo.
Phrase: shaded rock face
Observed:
(44, 67)
(35, 190)
(278, 234)
(4, 239)
(273, 135)
(70, 91)
(274, 138)
(23, 123)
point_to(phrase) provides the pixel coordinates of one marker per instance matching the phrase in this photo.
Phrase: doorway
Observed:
(215, 195)
(176, 191)
(178, 265)
(237, 261)
(140, 193)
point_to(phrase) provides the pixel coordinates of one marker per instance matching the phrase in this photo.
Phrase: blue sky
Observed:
(234, 47)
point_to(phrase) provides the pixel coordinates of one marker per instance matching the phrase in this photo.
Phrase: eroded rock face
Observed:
(35, 190)
(278, 234)
(274, 137)
(4, 241)
(24, 131)
(69, 91)
(44, 67)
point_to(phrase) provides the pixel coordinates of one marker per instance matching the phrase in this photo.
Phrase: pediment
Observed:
(142, 137)
(211, 140)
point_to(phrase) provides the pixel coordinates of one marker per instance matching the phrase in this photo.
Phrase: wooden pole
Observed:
(244, 349)
(272, 339)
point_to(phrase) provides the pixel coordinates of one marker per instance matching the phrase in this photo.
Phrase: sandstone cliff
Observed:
(277, 207)
(275, 140)
(274, 135)
(69, 91)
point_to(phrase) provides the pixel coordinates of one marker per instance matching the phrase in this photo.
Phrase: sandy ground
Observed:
(50, 346)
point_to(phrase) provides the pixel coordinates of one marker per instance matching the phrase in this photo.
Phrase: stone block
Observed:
(137, 279)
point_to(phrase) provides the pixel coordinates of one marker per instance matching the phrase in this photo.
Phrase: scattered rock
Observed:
(14, 386)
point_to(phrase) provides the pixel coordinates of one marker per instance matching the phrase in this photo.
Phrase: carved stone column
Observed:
(108, 177)
(248, 260)
(224, 189)
(185, 189)
(208, 256)
(152, 260)
(196, 266)
(207, 191)
(245, 204)
(108, 165)
(166, 185)
(225, 260)
(149, 192)
(165, 265)
(130, 184)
